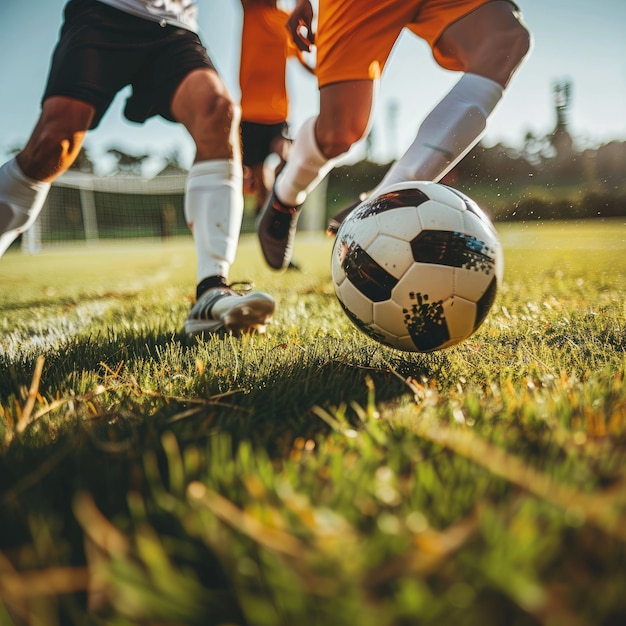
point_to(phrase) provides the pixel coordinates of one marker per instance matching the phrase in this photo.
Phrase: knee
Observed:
(491, 41)
(52, 139)
(50, 151)
(337, 139)
(214, 118)
(212, 126)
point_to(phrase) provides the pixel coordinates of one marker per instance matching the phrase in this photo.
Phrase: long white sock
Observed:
(21, 201)
(214, 210)
(305, 167)
(448, 133)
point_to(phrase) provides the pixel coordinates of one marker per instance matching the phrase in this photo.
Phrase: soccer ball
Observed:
(417, 267)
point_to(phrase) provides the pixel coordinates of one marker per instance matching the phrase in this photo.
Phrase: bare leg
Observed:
(491, 41)
(489, 44)
(53, 146)
(321, 139)
(57, 138)
(214, 207)
(214, 193)
(260, 185)
(204, 106)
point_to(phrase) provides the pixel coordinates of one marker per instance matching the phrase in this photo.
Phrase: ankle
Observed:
(210, 282)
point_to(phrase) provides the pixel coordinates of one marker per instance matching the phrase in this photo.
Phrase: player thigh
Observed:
(437, 16)
(490, 41)
(354, 39)
(203, 105)
(174, 57)
(91, 61)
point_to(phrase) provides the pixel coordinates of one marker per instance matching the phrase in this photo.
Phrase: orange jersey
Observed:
(355, 37)
(265, 47)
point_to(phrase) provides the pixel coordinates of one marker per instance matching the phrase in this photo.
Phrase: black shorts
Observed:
(256, 140)
(101, 50)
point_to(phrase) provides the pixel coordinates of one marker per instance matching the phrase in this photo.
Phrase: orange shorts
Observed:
(355, 37)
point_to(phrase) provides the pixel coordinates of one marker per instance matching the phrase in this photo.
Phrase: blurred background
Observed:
(554, 148)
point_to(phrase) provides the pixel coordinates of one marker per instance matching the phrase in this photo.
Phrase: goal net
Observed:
(82, 208)
(85, 208)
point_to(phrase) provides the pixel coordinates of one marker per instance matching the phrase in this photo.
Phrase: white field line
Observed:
(46, 332)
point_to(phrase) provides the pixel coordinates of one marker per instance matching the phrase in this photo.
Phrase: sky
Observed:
(575, 40)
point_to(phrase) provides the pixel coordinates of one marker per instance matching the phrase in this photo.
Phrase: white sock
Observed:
(448, 133)
(305, 167)
(214, 210)
(21, 201)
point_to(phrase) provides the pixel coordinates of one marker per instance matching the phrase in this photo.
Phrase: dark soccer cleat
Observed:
(224, 309)
(276, 229)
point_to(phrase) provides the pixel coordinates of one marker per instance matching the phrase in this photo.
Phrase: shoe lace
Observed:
(240, 286)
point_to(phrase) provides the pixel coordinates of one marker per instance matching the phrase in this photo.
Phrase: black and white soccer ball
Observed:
(417, 267)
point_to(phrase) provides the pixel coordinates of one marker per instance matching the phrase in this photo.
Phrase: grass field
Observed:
(310, 476)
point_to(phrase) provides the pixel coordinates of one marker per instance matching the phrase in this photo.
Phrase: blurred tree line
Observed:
(536, 182)
(547, 178)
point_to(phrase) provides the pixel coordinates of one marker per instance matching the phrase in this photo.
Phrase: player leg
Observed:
(353, 45)
(82, 80)
(256, 140)
(259, 185)
(313, 154)
(214, 206)
(53, 146)
(280, 145)
(488, 45)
